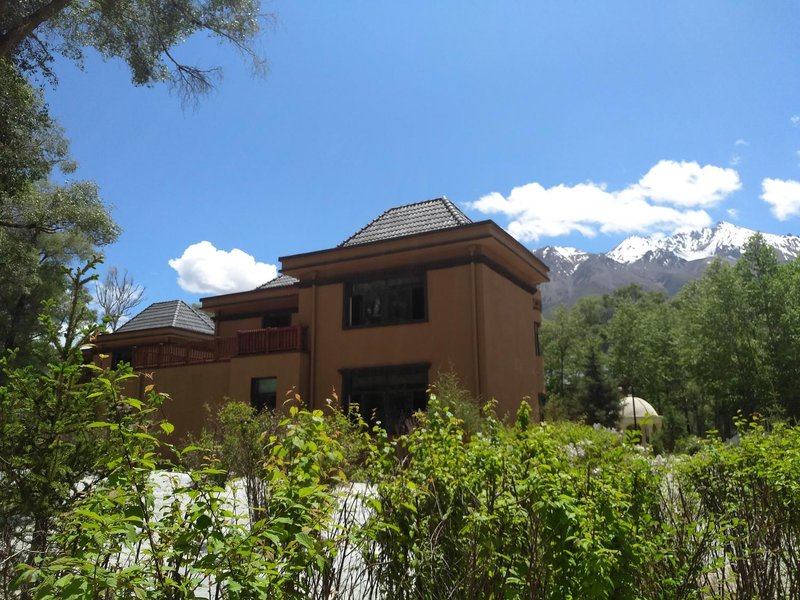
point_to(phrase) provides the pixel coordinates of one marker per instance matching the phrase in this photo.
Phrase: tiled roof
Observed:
(173, 313)
(422, 217)
(278, 282)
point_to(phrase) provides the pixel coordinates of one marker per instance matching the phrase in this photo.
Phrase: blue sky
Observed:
(570, 123)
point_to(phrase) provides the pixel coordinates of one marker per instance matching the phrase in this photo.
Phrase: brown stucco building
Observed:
(419, 290)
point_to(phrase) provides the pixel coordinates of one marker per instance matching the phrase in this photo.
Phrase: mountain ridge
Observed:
(659, 263)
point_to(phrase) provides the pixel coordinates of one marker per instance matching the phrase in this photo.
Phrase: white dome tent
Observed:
(636, 413)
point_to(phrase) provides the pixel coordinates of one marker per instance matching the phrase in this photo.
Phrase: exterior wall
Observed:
(444, 339)
(190, 388)
(511, 370)
(228, 328)
(291, 369)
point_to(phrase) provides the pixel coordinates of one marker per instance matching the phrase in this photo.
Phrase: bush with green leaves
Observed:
(122, 541)
(447, 511)
(523, 511)
(569, 511)
(750, 491)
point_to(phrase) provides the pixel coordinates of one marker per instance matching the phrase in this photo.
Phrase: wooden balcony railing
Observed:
(254, 341)
(272, 339)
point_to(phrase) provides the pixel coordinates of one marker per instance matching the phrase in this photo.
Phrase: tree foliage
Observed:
(43, 226)
(598, 400)
(727, 343)
(146, 34)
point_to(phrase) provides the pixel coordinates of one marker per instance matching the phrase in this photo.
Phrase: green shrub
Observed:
(493, 511)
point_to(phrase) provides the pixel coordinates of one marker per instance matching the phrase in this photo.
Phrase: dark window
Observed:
(536, 343)
(390, 395)
(121, 355)
(385, 301)
(263, 393)
(276, 320)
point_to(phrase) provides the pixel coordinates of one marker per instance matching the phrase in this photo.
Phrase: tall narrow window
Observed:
(385, 301)
(263, 393)
(536, 343)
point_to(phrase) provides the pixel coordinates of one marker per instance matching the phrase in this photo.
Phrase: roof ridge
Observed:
(176, 312)
(457, 213)
(451, 209)
(197, 312)
(438, 198)
(344, 243)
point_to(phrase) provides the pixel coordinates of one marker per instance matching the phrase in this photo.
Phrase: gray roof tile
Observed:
(173, 313)
(401, 221)
(278, 282)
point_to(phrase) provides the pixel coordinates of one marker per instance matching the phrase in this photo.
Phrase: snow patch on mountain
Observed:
(661, 263)
(725, 239)
(632, 249)
(562, 258)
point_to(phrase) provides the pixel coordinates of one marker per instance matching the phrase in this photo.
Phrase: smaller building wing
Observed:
(173, 313)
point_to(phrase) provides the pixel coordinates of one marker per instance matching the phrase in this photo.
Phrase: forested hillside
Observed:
(726, 343)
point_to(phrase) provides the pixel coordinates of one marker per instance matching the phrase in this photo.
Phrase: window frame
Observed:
(417, 279)
(253, 394)
(423, 369)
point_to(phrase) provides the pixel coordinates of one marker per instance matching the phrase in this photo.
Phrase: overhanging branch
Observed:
(12, 37)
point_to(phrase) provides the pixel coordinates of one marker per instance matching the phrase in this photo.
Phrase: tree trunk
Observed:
(17, 33)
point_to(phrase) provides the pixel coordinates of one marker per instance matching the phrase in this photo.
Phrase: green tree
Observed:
(738, 335)
(144, 33)
(600, 402)
(43, 226)
(46, 451)
(31, 143)
(561, 343)
(568, 336)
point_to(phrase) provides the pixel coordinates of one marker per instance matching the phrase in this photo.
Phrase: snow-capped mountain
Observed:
(565, 260)
(658, 262)
(725, 239)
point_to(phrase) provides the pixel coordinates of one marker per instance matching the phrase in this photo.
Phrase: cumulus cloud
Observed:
(741, 142)
(783, 196)
(795, 120)
(203, 269)
(688, 184)
(588, 208)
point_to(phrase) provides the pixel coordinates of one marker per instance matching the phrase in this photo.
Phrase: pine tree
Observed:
(599, 402)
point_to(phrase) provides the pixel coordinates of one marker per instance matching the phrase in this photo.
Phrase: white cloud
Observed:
(588, 208)
(203, 269)
(733, 213)
(689, 184)
(783, 195)
(795, 120)
(741, 142)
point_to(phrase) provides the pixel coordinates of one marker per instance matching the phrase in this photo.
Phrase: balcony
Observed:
(244, 343)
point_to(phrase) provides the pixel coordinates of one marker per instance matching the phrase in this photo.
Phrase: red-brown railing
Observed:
(254, 341)
(273, 339)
